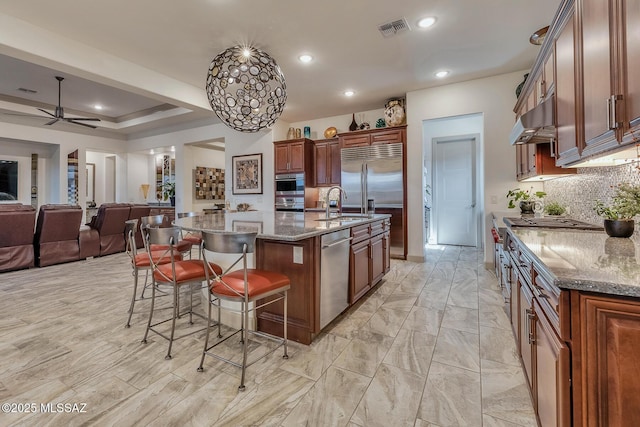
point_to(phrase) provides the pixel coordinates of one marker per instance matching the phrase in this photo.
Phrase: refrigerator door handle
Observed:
(363, 202)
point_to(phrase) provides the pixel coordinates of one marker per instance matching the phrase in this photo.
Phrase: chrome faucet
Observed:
(343, 193)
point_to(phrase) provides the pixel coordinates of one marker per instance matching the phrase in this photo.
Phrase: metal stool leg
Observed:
(285, 355)
(133, 298)
(245, 339)
(173, 320)
(153, 302)
(206, 339)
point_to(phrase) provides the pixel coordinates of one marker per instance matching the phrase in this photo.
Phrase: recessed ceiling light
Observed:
(98, 107)
(427, 22)
(349, 92)
(305, 58)
(441, 74)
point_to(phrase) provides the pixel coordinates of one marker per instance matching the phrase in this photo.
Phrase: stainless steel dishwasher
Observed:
(334, 275)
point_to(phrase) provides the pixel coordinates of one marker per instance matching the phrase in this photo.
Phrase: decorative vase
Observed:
(380, 123)
(298, 133)
(619, 227)
(307, 132)
(291, 134)
(526, 206)
(394, 114)
(353, 126)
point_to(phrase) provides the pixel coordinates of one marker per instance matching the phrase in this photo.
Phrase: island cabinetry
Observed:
(373, 136)
(327, 162)
(169, 212)
(368, 257)
(606, 364)
(294, 156)
(300, 261)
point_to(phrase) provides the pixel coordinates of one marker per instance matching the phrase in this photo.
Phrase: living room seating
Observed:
(59, 238)
(110, 224)
(16, 236)
(137, 212)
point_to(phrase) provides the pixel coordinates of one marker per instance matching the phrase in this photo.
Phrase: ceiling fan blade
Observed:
(93, 119)
(25, 115)
(79, 123)
(52, 122)
(46, 112)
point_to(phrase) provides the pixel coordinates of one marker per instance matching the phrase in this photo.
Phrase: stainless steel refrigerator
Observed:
(375, 172)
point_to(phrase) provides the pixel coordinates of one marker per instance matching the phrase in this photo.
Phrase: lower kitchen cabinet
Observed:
(359, 271)
(368, 258)
(607, 332)
(526, 334)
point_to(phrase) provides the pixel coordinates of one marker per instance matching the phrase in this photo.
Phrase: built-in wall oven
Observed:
(290, 184)
(290, 192)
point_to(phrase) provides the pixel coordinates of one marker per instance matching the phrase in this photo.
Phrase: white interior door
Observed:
(455, 192)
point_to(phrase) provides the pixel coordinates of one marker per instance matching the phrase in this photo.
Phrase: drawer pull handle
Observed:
(531, 316)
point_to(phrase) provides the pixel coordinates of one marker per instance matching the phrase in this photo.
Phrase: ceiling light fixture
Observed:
(305, 59)
(441, 74)
(246, 88)
(427, 22)
(349, 92)
(98, 107)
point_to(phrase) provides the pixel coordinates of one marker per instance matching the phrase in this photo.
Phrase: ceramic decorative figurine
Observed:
(380, 123)
(394, 112)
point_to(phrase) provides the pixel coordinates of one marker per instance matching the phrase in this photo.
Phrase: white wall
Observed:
(493, 97)
(342, 122)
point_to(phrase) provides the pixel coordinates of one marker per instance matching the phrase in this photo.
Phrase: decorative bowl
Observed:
(330, 132)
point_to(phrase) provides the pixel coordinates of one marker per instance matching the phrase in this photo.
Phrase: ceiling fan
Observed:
(59, 113)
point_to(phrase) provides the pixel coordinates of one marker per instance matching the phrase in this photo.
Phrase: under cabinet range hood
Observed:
(535, 126)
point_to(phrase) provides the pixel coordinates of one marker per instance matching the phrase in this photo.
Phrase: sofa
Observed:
(16, 236)
(60, 236)
(137, 212)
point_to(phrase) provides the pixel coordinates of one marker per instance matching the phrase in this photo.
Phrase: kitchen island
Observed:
(573, 298)
(295, 244)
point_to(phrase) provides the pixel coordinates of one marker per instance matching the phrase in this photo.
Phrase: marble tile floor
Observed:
(429, 346)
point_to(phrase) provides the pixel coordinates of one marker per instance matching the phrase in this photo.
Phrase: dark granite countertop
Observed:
(584, 260)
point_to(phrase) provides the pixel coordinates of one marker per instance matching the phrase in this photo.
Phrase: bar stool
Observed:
(176, 274)
(244, 286)
(162, 221)
(140, 261)
(192, 236)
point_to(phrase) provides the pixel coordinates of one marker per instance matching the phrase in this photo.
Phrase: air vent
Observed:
(24, 89)
(392, 28)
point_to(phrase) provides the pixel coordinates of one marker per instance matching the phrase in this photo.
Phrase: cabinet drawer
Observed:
(377, 228)
(360, 233)
(355, 140)
(549, 299)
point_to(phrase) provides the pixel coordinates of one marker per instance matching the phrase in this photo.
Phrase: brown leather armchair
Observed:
(16, 236)
(137, 212)
(60, 238)
(109, 222)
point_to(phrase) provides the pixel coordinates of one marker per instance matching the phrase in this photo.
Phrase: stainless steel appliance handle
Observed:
(363, 201)
(337, 242)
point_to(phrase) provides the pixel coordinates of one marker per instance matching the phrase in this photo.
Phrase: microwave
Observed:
(291, 184)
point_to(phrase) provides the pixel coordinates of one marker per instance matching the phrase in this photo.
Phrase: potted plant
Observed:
(526, 199)
(169, 192)
(618, 216)
(554, 209)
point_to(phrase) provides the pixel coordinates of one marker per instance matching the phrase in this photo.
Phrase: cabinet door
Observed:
(527, 337)
(359, 271)
(521, 151)
(386, 245)
(514, 302)
(609, 351)
(355, 140)
(387, 137)
(322, 154)
(631, 41)
(597, 79)
(567, 147)
(547, 83)
(552, 372)
(335, 162)
(296, 157)
(377, 258)
(281, 154)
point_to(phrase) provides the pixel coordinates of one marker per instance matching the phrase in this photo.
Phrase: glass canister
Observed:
(307, 132)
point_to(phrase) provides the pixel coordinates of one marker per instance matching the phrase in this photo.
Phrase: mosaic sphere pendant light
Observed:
(246, 88)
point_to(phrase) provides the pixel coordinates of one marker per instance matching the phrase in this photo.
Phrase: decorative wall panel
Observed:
(209, 183)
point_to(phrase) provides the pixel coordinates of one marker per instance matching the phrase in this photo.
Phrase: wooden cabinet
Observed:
(526, 334)
(327, 162)
(169, 212)
(397, 134)
(607, 331)
(534, 160)
(294, 156)
(368, 258)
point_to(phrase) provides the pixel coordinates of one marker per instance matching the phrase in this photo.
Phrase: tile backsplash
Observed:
(578, 192)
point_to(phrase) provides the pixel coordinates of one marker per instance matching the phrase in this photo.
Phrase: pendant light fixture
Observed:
(246, 88)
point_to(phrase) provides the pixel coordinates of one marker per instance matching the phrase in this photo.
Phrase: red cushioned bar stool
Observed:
(176, 274)
(192, 236)
(246, 287)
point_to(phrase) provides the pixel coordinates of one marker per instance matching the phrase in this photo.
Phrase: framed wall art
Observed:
(247, 174)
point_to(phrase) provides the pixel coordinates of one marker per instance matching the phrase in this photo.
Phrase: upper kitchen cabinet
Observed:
(294, 156)
(327, 162)
(373, 136)
(610, 55)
